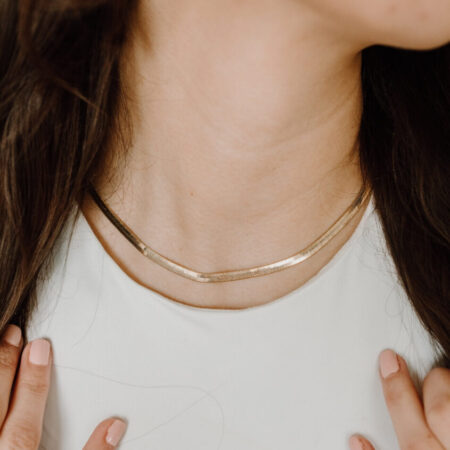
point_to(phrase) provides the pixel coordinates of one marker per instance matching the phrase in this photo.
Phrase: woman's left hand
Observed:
(418, 426)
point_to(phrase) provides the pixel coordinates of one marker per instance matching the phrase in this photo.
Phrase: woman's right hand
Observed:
(22, 403)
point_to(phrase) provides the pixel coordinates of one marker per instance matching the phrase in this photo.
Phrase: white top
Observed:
(300, 372)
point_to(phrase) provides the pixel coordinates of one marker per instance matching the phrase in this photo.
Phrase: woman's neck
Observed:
(245, 120)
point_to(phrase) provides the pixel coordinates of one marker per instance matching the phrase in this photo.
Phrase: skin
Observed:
(242, 136)
(263, 145)
(244, 115)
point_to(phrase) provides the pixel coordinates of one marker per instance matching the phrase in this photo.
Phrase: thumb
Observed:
(106, 435)
(357, 442)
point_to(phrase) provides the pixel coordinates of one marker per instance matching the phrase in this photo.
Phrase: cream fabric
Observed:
(297, 373)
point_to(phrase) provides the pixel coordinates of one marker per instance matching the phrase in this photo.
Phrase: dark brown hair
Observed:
(60, 94)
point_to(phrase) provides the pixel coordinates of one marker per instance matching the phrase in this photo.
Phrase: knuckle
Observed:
(36, 387)
(413, 446)
(426, 442)
(394, 394)
(438, 413)
(23, 437)
(8, 359)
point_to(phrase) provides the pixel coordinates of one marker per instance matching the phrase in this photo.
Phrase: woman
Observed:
(222, 138)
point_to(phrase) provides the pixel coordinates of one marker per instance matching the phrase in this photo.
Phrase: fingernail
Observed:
(39, 352)
(388, 363)
(355, 443)
(115, 432)
(12, 335)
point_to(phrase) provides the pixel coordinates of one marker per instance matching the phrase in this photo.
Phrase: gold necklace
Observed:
(231, 275)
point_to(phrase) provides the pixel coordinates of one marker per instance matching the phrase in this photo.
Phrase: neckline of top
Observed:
(144, 292)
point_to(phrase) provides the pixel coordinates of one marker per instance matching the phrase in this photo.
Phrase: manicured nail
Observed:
(12, 335)
(115, 432)
(39, 352)
(355, 443)
(388, 363)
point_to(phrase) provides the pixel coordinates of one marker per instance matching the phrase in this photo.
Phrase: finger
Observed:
(10, 347)
(106, 435)
(404, 405)
(23, 426)
(357, 442)
(436, 400)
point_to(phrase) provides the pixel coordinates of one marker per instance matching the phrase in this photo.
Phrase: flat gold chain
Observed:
(231, 275)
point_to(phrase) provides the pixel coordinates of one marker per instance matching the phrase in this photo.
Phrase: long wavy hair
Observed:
(60, 98)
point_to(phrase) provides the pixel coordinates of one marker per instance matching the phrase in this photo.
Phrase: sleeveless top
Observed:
(299, 372)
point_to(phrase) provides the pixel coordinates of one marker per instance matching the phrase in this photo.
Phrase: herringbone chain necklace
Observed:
(231, 275)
